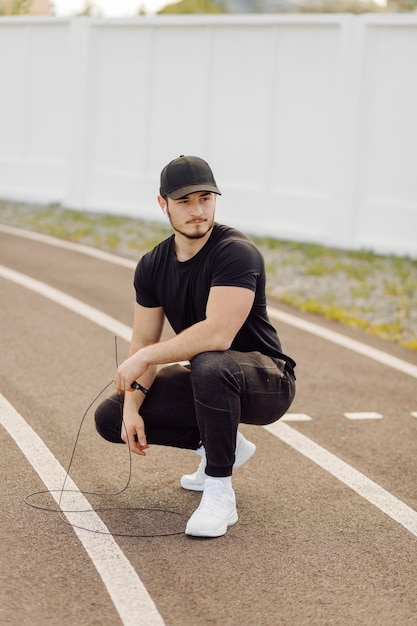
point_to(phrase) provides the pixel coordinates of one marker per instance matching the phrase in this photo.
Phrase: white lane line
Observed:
(89, 312)
(364, 415)
(373, 493)
(345, 342)
(414, 414)
(287, 318)
(68, 245)
(129, 595)
(296, 417)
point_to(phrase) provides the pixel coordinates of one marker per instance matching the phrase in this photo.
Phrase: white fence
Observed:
(309, 122)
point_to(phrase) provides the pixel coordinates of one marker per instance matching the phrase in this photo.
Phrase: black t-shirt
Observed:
(228, 258)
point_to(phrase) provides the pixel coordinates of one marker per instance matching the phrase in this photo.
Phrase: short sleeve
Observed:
(143, 283)
(238, 264)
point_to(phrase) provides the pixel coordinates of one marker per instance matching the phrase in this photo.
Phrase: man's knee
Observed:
(108, 419)
(214, 367)
(209, 362)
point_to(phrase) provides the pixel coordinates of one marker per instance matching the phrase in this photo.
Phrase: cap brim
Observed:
(184, 191)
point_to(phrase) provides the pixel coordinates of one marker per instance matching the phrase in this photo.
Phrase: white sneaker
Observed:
(195, 482)
(216, 512)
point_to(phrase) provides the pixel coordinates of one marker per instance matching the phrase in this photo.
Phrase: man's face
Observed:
(193, 215)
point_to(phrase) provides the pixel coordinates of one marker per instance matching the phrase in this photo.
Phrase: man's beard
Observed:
(195, 235)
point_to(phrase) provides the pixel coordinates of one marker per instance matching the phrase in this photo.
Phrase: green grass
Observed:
(357, 288)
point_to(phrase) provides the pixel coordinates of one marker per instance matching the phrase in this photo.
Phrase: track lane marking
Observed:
(364, 415)
(127, 592)
(74, 305)
(365, 487)
(68, 245)
(296, 417)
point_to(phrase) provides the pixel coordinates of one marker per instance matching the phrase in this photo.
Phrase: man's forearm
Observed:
(201, 337)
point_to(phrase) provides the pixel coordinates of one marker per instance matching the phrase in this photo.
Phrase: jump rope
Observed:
(62, 491)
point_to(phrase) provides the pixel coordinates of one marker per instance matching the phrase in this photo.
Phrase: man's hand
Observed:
(133, 431)
(128, 371)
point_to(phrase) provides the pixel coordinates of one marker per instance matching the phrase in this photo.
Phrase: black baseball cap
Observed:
(185, 175)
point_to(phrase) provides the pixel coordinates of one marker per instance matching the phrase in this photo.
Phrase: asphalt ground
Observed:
(327, 506)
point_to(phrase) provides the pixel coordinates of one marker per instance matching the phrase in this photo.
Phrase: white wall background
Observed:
(309, 122)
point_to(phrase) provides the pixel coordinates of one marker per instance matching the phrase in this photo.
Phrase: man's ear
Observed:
(162, 203)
